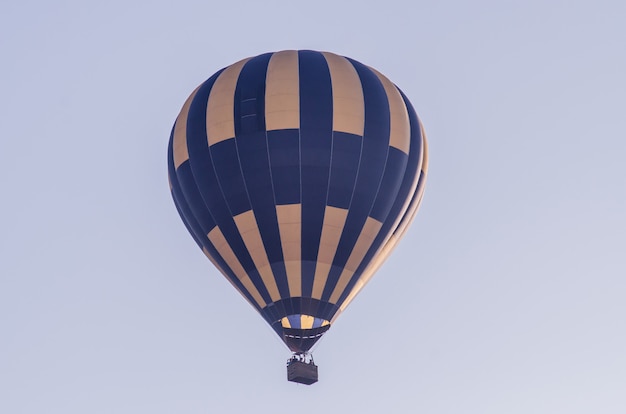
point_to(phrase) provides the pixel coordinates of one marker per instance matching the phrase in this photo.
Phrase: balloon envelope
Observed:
(296, 173)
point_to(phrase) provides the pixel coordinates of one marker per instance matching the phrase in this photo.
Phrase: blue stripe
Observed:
(289, 306)
(316, 122)
(345, 164)
(295, 321)
(206, 179)
(373, 159)
(250, 96)
(415, 153)
(253, 153)
(284, 149)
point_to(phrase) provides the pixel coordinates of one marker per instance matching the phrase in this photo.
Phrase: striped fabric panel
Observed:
(292, 170)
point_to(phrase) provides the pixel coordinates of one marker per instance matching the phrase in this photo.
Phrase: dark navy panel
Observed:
(307, 306)
(372, 165)
(226, 162)
(206, 179)
(344, 168)
(284, 150)
(289, 306)
(392, 179)
(250, 96)
(404, 193)
(316, 122)
(189, 189)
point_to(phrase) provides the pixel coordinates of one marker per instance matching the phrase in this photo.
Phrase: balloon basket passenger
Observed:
(302, 369)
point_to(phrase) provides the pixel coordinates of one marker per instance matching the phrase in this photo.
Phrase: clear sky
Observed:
(506, 296)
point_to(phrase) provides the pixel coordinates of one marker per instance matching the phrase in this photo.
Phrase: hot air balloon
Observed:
(297, 173)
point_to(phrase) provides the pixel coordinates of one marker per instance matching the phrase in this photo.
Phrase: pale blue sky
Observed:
(506, 296)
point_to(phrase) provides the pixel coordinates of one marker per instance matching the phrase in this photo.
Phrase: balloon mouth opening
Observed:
(300, 321)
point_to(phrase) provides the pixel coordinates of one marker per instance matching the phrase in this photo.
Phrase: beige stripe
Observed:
(179, 146)
(363, 243)
(282, 91)
(348, 103)
(220, 112)
(334, 221)
(306, 321)
(400, 127)
(290, 227)
(249, 231)
(223, 248)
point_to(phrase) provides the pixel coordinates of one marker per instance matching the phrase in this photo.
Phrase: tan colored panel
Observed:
(289, 213)
(319, 280)
(220, 112)
(282, 91)
(363, 243)
(223, 248)
(334, 220)
(249, 231)
(348, 103)
(306, 322)
(179, 146)
(400, 127)
(290, 226)
(285, 322)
